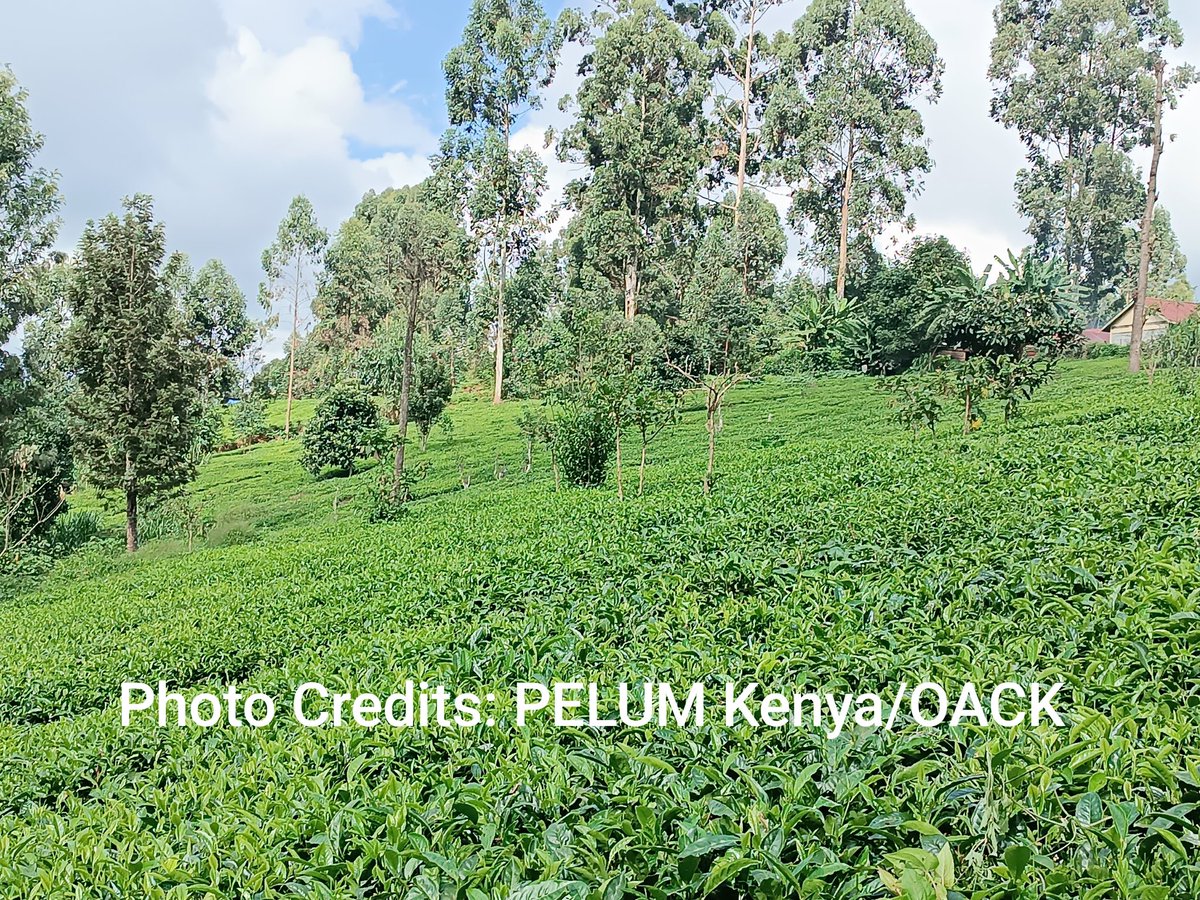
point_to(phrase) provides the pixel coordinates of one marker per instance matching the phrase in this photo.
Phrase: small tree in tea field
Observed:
(344, 429)
(249, 422)
(650, 411)
(916, 402)
(431, 391)
(530, 423)
(137, 405)
(1013, 331)
(720, 338)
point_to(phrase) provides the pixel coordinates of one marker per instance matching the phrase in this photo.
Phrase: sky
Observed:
(223, 110)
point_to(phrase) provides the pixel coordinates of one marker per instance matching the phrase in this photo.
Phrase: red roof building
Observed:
(1160, 315)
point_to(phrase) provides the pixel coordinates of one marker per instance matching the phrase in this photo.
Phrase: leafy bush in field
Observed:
(344, 429)
(916, 400)
(249, 422)
(1103, 351)
(74, 529)
(1177, 353)
(431, 393)
(583, 445)
(209, 425)
(839, 555)
(1033, 303)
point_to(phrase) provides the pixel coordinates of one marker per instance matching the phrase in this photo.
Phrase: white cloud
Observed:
(222, 109)
(283, 24)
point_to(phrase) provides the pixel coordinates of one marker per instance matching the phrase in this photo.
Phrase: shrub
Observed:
(583, 443)
(431, 391)
(249, 422)
(74, 529)
(1177, 353)
(915, 401)
(792, 361)
(1032, 303)
(175, 517)
(344, 429)
(1103, 351)
(208, 432)
(1014, 379)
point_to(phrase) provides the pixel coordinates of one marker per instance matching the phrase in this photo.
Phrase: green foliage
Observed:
(73, 530)
(210, 429)
(1168, 278)
(290, 265)
(1032, 304)
(846, 114)
(721, 330)
(1047, 549)
(345, 428)
(354, 295)
(916, 400)
(382, 368)
(29, 199)
(1014, 379)
(290, 261)
(637, 132)
(136, 407)
(532, 424)
(828, 327)
(1177, 355)
(213, 311)
(508, 52)
(1081, 192)
(891, 299)
(583, 444)
(178, 517)
(430, 392)
(1103, 351)
(248, 421)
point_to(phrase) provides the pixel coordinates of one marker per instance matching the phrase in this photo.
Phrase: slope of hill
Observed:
(837, 554)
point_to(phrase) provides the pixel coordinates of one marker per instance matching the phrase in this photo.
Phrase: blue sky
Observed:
(225, 109)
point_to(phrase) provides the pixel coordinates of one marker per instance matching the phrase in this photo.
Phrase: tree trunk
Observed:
(287, 417)
(620, 483)
(744, 132)
(1139, 302)
(642, 468)
(131, 520)
(844, 232)
(498, 391)
(631, 288)
(714, 400)
(410, 327)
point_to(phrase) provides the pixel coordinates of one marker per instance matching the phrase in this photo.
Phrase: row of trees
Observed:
(126, 352)
(691, 128)
(1084, 84)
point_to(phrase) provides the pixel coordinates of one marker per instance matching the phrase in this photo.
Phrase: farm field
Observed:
(836, 553)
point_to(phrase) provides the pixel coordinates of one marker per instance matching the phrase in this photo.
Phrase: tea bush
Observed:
(837, 554)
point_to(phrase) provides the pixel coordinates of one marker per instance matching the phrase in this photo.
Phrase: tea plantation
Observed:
(837, 552)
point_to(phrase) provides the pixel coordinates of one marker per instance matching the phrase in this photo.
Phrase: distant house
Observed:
(1160, 315)
(1095, 335)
